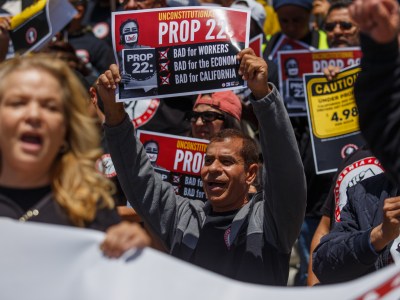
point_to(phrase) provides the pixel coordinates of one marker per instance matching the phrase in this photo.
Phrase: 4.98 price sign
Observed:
(333, 118)
(331, 104)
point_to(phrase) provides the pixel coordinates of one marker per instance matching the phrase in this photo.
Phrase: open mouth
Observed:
(32, 139)
(31, 142)
(215, 185)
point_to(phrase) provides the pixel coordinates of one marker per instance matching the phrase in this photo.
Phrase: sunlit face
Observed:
(225, 180)
(205, 130)
(32, 121)
(140, 4)
(339, 36)
(294, 21)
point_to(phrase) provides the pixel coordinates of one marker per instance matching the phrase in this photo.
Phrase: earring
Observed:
(64, 147)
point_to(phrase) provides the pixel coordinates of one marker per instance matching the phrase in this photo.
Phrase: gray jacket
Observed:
(268, 225)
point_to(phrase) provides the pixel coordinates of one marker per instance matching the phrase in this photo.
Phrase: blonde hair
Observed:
(76, 185)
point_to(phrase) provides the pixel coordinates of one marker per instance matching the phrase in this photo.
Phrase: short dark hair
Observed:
(151, 141)
(338, 4)
(249, 150)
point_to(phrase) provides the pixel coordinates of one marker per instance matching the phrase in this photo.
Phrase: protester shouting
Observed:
(242, 238)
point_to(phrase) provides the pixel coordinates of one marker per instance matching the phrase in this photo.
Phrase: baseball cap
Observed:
(307, 4)
(225, 101)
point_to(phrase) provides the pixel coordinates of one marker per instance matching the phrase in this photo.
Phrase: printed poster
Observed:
(333, 118)
(38, 23)
(256, 43)
(293, 64)
(178, 160)
(287, 44)
(185, 51)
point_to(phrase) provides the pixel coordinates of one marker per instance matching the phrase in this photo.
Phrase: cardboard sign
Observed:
(256, 44)
(38, 23)
(333, 118)
(178, 160)
(185, 50)
(287, 44)
(293, 64)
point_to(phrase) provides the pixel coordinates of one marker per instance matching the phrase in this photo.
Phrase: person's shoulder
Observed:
(359, 154)
(89, 35)
(370, 190)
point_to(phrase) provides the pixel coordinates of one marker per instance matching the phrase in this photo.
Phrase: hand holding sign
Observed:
(106, 85)
(330, 72)
(255, 70)
(124, 236)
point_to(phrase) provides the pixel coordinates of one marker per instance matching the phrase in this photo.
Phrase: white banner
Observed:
(40, 261)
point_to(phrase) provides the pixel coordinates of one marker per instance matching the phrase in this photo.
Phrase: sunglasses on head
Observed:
(206, 116)
(343, 25)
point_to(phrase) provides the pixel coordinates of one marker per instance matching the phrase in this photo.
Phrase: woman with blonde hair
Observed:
(48, 147)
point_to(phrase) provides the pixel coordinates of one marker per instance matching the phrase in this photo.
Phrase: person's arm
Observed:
(377, 88)
(154, 200)
(4, 37)
(322, 230)
(128, 214)
(346, 253)
(284, 181)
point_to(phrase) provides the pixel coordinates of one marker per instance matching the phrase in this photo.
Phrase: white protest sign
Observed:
(41, 261)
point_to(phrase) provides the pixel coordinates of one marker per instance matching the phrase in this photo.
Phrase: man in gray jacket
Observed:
(245, 239)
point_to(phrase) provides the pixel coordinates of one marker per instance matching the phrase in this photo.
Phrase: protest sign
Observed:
(178, 160)
(185, 50)
(47, 262)
(256, 43)
(293, 64)
(285, 43)
(38, 23)
(333, 118)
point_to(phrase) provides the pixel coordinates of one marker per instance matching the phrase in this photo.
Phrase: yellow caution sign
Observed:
(332, 107)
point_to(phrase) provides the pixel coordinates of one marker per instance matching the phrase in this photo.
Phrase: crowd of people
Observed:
(69, 155)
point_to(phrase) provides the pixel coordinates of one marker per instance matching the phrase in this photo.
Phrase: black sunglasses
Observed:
(206, 116)
(343, 25)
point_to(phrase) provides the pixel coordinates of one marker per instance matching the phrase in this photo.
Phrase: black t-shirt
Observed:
(92, 50)
(25, 198)
(213, 250)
